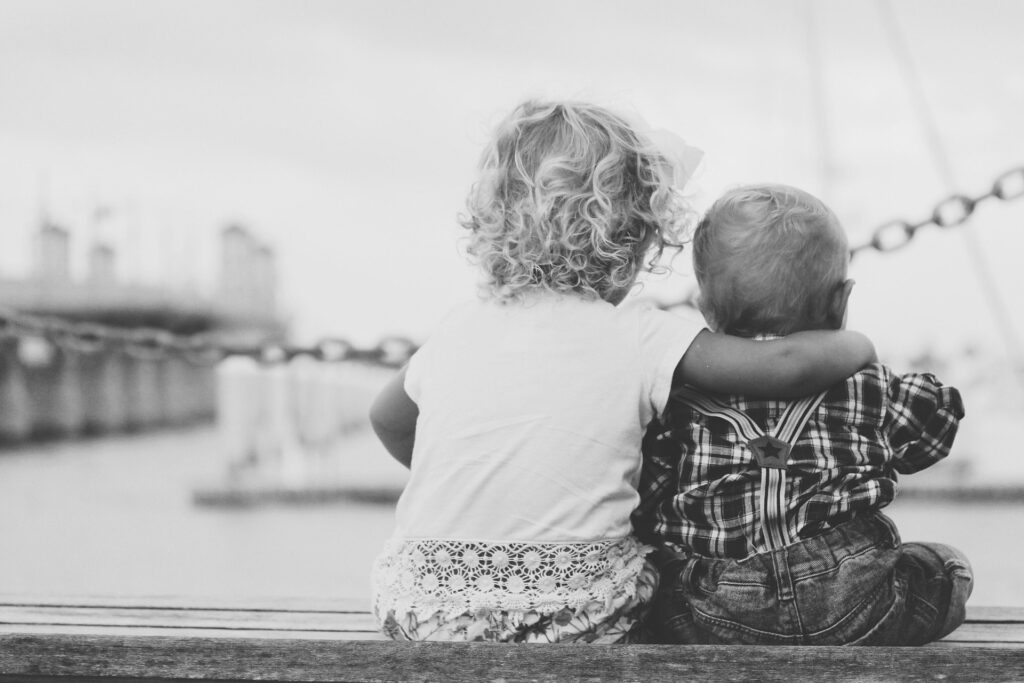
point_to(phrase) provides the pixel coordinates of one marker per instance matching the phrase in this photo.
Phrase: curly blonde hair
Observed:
(571, 199)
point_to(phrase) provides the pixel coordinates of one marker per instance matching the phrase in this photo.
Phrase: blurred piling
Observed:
(49, 392)
(97, 355)
(284, 428)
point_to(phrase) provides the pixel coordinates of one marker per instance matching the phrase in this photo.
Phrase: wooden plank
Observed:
(165, 658)
(356, 605)
(192, 618)
(64, 630)
(967, 635)
(1002, 614)
(982, 632)
(984, 625)
(205, 602)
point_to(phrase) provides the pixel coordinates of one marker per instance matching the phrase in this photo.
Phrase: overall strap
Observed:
(770, 450)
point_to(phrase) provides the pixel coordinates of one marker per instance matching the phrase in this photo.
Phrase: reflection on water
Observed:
(115, 517)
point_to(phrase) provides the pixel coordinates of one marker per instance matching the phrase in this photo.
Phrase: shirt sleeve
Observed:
(664, 338)
(418, 370)
(414, 372)
(921, 420)
(659, 477)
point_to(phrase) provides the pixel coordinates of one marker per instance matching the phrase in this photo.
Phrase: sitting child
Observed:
(522, 416)
(767, 511)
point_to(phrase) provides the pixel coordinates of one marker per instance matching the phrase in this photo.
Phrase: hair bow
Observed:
(684, 158)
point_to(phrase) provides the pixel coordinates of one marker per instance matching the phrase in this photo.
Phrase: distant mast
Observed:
(52, 257)
(102, 265)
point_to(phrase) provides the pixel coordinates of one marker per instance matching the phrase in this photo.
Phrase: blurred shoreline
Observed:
(115, 516)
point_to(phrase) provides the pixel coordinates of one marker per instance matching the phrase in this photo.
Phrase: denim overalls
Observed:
(855, 583)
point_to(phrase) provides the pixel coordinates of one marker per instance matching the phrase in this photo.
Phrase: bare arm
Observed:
(796, 365)
(393, 417)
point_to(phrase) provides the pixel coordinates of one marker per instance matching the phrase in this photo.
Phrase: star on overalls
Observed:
(770, 452)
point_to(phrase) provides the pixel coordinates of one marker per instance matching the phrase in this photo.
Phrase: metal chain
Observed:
(948, 213)
(205, 348)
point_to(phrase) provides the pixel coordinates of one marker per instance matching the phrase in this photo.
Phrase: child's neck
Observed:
(783, 330)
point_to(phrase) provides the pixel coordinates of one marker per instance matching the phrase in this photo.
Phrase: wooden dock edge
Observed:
(177, 639)
(72, 657)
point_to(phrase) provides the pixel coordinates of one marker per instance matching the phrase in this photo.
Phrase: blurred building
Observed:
(74, 375)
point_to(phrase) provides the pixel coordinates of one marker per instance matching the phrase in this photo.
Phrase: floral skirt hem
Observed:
(617, 620)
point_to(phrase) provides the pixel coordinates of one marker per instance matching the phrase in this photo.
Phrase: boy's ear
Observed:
(705, 311)
(838, 304)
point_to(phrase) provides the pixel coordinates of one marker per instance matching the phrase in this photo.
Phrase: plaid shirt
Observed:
(699, 486)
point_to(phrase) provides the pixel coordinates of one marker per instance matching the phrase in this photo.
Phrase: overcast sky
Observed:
(345, 134)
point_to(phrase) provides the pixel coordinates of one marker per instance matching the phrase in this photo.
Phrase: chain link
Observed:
(332, 349)
(1010, 185)
(200, 349)
(87, 340)
(204, 348)
(950, 212)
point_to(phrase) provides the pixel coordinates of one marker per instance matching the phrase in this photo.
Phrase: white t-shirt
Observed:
(531, 417)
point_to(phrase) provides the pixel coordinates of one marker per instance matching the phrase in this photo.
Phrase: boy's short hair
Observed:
(768, 259)
(570, 198)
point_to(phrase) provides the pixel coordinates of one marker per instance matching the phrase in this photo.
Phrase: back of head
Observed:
(769, 259)
(571, 198)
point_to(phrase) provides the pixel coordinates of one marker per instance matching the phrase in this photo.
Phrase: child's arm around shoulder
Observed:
(393, 417)
(797, 365)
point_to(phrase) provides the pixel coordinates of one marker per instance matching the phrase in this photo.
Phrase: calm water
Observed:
(115, 517)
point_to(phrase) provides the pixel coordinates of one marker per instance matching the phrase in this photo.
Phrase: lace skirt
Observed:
(513, 592)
